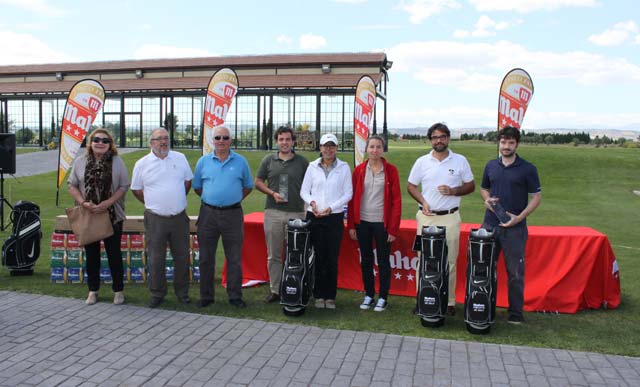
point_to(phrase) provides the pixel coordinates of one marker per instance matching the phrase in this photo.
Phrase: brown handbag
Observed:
(89, 227)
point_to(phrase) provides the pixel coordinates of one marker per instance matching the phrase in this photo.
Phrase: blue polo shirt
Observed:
(222, 182)
(512, 184)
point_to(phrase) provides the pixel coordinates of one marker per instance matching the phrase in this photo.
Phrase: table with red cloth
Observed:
(567, 268)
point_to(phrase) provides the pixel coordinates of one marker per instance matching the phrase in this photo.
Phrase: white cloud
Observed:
(350, 1)
(526, 6)
(158, 51)
(25, 49)
(485, 27)
(146, 27)
(312, 42)
(419, 10)
(480, 66)
(41, 7)
(284, 39)
(617, 35)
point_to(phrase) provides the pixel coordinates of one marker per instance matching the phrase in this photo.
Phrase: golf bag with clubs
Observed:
(298, 275)
(480, 296)
(433, 284)
(21, 250)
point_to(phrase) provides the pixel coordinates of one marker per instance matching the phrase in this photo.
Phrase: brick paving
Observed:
(52, 341)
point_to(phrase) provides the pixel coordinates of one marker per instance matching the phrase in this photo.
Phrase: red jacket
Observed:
(392, 197)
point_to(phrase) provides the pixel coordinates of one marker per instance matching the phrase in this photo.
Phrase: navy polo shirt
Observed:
(512, 184)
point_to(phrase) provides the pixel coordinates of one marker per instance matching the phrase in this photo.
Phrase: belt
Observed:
(230, 207)
(443, 212)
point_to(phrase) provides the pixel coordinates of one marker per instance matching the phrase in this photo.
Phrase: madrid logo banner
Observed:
(515, 94)
(365, 102)
(223, 87)
(85, 100)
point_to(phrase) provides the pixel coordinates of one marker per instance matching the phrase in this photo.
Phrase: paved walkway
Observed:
(35, 163)
(51, 341)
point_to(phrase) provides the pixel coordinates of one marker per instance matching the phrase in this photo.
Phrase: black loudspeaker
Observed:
(8, 153)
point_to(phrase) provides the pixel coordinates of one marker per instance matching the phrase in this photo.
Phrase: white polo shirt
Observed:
(430, 172)
(162, 181)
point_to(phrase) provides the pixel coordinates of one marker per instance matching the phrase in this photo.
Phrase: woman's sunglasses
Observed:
(103, 140)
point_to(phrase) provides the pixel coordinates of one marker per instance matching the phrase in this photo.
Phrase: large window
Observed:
(246, 135)
(151, 117)
(305, 112)
(188, 117)
(112, 117)
(24, 121)
(52, 114)
(282, 110)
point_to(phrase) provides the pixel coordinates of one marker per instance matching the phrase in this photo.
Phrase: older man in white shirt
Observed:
(162, 180)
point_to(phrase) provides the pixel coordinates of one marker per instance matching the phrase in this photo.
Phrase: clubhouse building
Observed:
(314, 93)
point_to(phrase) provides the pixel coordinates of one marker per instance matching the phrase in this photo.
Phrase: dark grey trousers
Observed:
(213, 224)
(512, 241)
(158, 230)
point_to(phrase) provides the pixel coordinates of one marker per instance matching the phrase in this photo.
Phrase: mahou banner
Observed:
(365, 102)
(515, 94)
(223, 87)
(86, 99)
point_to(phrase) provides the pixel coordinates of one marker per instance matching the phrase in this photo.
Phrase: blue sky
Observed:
(449, 56)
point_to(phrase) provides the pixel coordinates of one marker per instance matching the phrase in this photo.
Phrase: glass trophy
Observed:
(500, 212)
(283, 186)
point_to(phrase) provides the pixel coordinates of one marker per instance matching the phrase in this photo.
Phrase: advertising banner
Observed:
(364, 103)
(515, 94)
(223, 87)
(86, 99)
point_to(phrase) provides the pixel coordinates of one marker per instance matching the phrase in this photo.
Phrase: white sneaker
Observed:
(118, 298)
(367, 303)
(330, 304)
(320, 303)
(381, 305)
(92, 298)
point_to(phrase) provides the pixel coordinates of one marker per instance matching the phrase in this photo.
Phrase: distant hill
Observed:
(629, 132)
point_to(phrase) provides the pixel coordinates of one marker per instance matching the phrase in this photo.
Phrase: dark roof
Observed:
(198, 83)
(253, 61)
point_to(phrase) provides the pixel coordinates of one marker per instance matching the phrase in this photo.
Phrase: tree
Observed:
(548, 139)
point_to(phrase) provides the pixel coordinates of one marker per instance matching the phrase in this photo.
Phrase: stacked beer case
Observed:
(68, 264)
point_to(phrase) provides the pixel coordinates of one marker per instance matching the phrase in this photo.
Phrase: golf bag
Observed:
(433, 285)
(480, 297)
(21, 250)
(298, 272)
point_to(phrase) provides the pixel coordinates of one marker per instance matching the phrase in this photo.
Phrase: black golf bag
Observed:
(433, 285)
(480, 297)
(298, 272)
(21, 250)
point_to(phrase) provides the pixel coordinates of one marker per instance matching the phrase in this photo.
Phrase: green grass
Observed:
(581, 187)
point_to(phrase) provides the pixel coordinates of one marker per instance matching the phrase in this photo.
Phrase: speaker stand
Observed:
(3, 200)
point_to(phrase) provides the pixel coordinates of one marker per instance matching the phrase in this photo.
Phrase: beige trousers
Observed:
(452, 223)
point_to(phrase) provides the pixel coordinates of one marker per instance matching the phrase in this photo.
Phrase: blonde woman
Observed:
(99, 182)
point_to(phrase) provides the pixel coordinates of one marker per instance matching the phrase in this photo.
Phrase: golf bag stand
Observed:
(21, 250)
(298, 275)
(433, 285)
(480, 296)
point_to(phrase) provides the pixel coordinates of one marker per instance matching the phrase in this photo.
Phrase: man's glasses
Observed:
(165, 138)
(103, 140)
(436, 138)
(218, 138)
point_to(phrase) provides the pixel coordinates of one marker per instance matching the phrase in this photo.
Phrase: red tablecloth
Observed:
(567, 268)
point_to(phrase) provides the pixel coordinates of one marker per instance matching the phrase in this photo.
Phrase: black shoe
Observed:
(514, 319)
(272, 297)
(155, 301)
(204, 303)
(451, 310)
(184, 300)
(238, 303)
